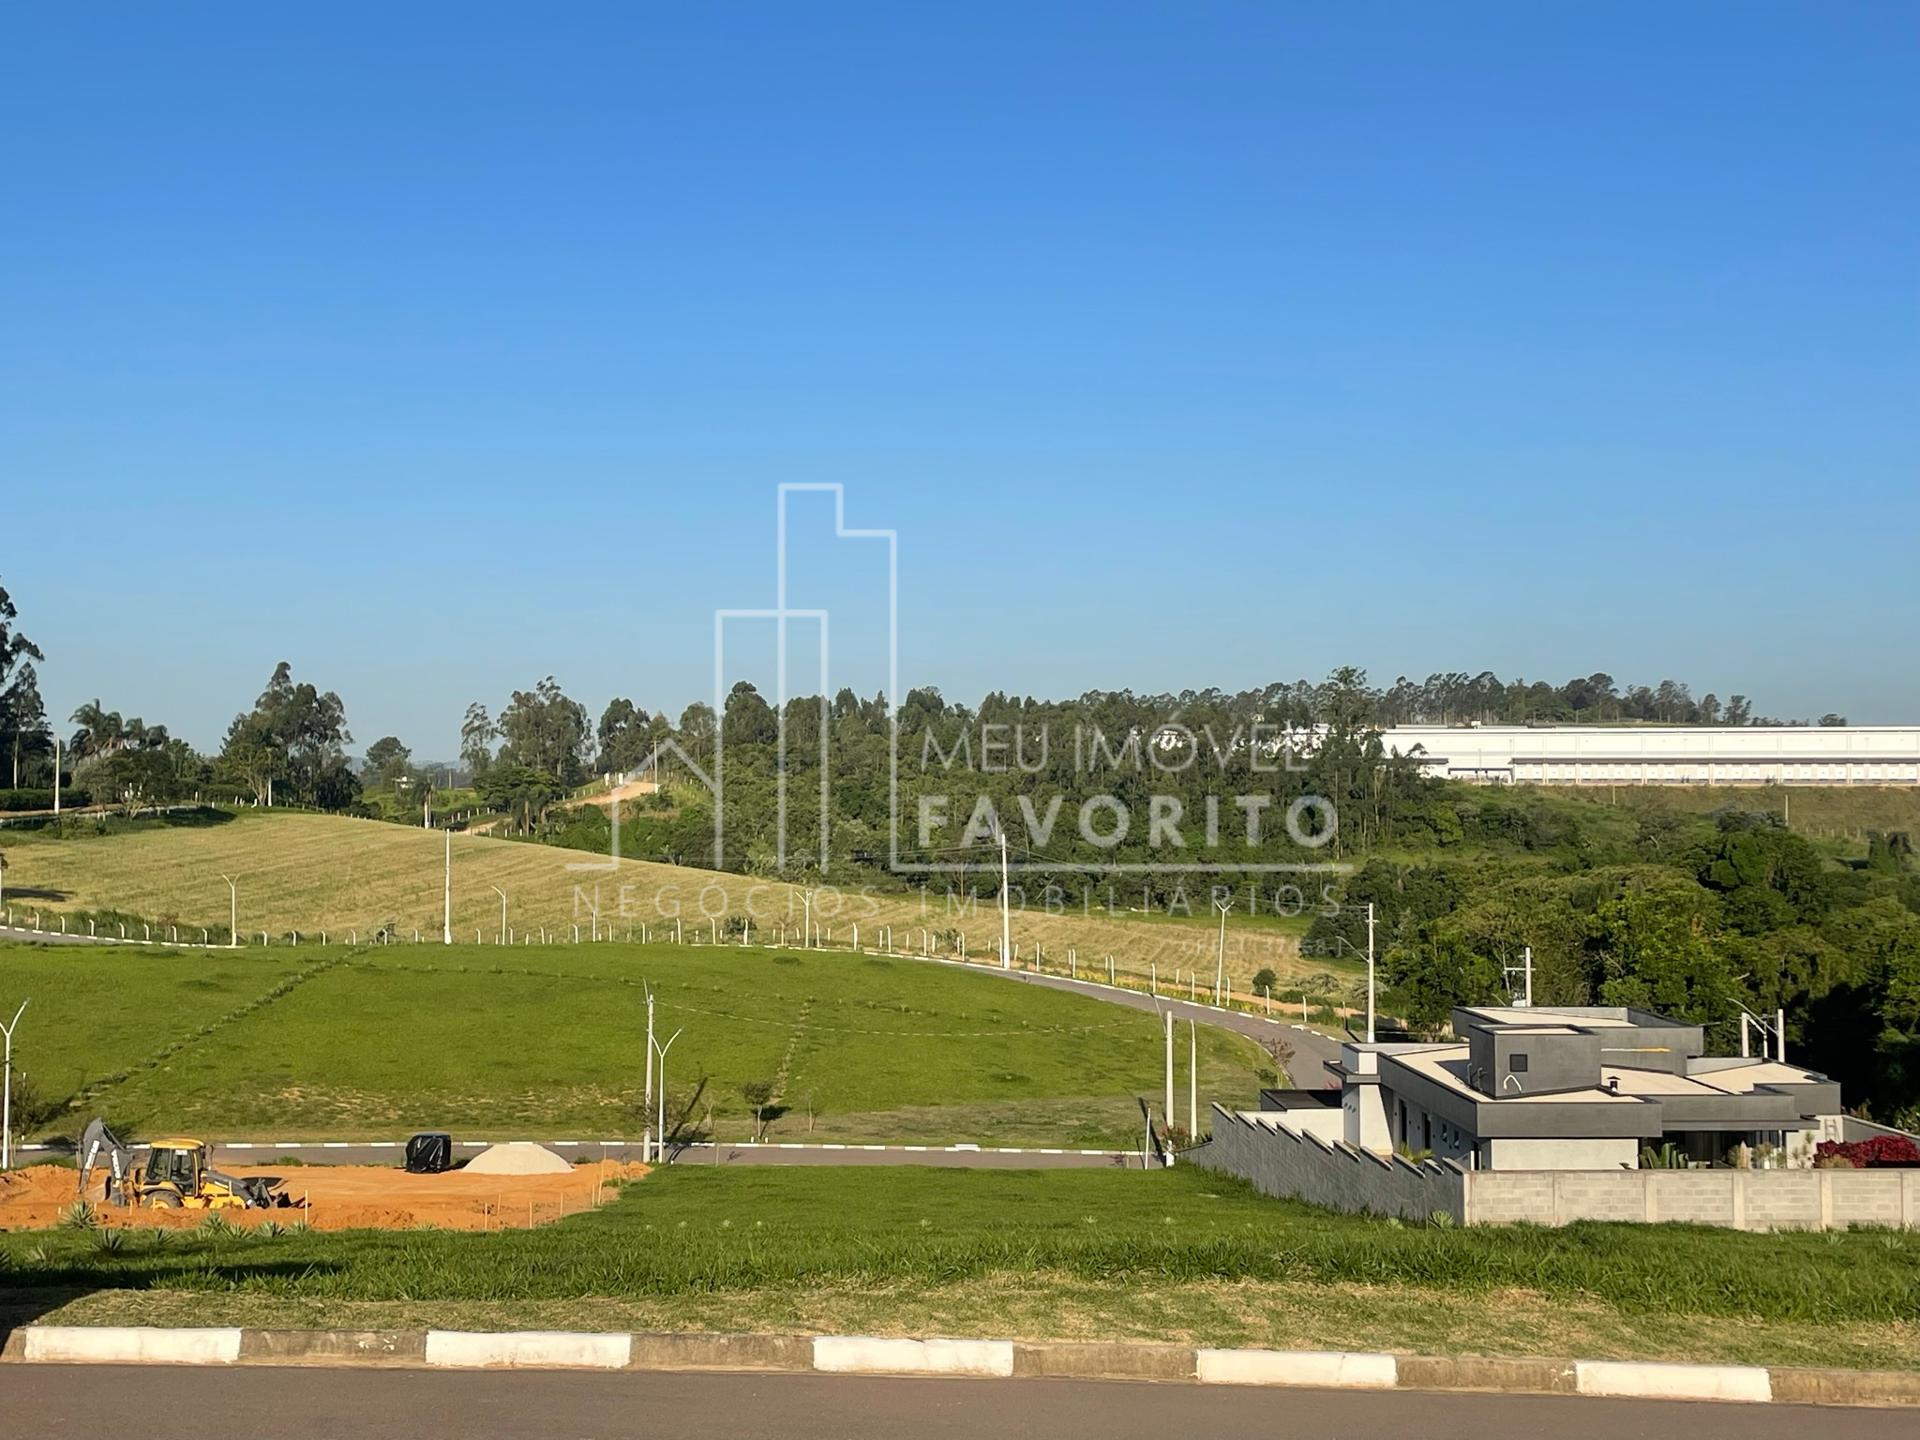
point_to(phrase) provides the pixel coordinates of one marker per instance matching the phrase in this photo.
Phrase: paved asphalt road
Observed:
(54, 1402)
(42, 937)
(1309, 1045)
(958, 1158)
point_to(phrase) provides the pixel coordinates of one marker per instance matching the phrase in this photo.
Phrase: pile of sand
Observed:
(342, 1197)
(517, 1157)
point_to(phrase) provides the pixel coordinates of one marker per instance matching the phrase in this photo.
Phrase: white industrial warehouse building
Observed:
(1664, 755)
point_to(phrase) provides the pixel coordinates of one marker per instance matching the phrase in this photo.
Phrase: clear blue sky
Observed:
(436, 348)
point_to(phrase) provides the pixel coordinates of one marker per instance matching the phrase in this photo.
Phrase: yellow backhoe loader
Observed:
(178, 1175)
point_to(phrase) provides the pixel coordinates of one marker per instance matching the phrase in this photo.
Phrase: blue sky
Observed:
(437, 348)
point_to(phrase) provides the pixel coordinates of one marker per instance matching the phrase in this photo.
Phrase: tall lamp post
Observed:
(233, 912)
(1220, 954)
(446, 923)
(660, 1125)
(646, 1100)
(6, 1095)
(1006, 914)
(503, 911)
(1368, 957)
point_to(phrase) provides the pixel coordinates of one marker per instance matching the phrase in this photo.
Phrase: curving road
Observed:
(1312, 1050)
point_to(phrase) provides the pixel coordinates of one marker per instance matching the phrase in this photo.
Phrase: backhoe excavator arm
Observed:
(100, 1145)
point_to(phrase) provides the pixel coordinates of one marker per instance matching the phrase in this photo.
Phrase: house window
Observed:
(1518, 1064)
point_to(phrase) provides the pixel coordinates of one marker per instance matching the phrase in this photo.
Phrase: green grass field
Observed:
(314, 873)
(1167, 1255)
(344, 1042)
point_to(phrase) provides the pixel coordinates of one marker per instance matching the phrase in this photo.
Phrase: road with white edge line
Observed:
(396, 1404)
(772, 1152)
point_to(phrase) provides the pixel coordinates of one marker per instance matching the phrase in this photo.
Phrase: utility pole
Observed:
(646, 1103)
(1168, 1111)
(1220, 954)
(1006, 916)
(6, 1096)
(1526, 993)
(1780, 1035)
(56, 774)
(233, 913)
(1193, 1083)
(1369, 972)
(446, 924)
(660, 1130)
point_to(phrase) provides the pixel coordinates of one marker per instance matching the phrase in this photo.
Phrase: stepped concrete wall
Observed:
(1278, 1161)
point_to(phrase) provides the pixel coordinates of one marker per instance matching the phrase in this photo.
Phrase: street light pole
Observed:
(660, 1129)
(503, 911)
(806, 919)
(1220, 955)
(6, 1096)
(1168, 1109)
(233, 913)
(1369, 972)
(446, 924)
(1006, 915)
(646, 1102)
(1193, 1083)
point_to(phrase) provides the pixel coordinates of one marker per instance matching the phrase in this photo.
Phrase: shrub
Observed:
(1880, 1152)
(40, 799)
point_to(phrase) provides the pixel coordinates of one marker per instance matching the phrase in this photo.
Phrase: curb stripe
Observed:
(129, 1345)
(864, 1355)
(547, 1349)
(874, 1355)
(1747, 1383)
(1331, 1368)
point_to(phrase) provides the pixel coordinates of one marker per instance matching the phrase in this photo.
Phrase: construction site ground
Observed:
(341, 1197)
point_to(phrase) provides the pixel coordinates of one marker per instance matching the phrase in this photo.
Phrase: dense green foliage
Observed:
(1691, 916)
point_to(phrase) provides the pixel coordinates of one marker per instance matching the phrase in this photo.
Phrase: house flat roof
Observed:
(1745, 1079)
(1448, 1066)
(1524, 1015)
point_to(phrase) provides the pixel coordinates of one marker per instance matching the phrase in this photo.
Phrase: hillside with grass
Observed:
(378, 1041)
(354, 878)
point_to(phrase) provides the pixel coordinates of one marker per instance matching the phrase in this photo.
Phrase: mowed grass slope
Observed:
(332, 874)
(341, 1042)
(1106, 1254)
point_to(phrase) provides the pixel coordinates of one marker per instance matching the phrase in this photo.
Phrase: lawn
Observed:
(311, 874)
(1178, 1254)
(374, 1041)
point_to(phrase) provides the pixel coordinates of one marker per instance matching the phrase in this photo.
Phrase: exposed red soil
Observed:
(341, 1197)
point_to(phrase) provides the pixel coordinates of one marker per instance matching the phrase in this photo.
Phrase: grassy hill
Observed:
(549, 1040)
(313, 873)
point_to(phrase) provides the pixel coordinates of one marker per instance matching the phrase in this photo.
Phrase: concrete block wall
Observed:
(1277, 1161)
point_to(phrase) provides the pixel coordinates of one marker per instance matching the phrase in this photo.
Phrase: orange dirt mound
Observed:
(342, 1197)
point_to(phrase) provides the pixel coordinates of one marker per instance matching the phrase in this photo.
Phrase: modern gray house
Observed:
(1567, 1088)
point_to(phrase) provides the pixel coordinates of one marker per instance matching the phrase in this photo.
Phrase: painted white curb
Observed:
(130, 1345)
(864, 1355)
(549, 1349)
(1673, 1382)
(1331, 1368)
